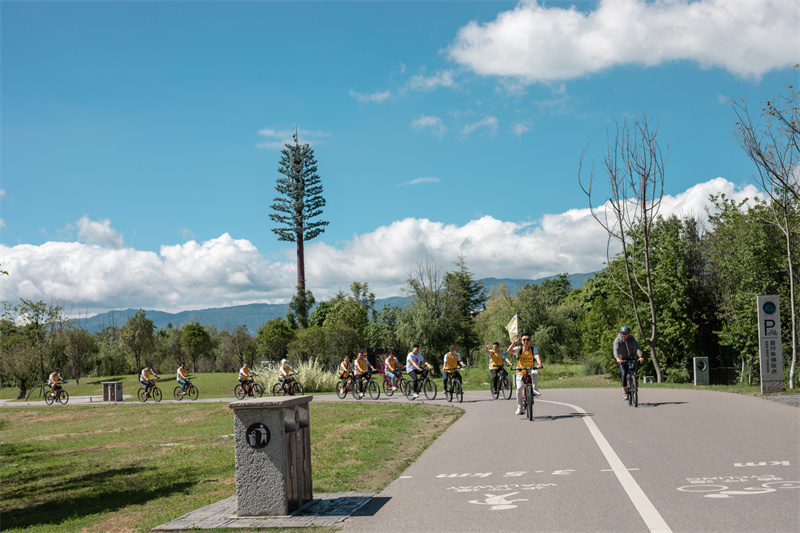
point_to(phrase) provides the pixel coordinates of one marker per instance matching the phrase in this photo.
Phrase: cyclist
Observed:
(527, 357)
(391, 368)
(624, 348)
(452, 360)
(245, 379)
(146, 378)
(345, 369)
(54, 379)
(181, 377)
(284, 371)
(496, 358)
(363, 368)
(414, 362)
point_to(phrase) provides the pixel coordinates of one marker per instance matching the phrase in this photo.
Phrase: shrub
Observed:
(312, 374)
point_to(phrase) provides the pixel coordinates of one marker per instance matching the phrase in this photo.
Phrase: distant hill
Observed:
(253, 315)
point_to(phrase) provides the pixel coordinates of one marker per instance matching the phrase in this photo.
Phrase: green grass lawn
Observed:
(129, 468)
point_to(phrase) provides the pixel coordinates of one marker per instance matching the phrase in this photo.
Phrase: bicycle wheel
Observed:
(459, 392)
(258, 390)
(49, 397)
(296, 390)
(495, 390)
(505, 388)
(141, 395)
(177, 393)
(635, 393)
(62, 397)
(341, 389)
(276, 389)
(630, 390)
(529, 401)
(156, 394)
(238, 391)
(373, 390)
(448, 392)
(405, 387)
(355, 391)
(192, 392)
(387, 388)
(430, 389)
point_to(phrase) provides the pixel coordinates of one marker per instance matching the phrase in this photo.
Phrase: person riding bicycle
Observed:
(452, 360)
(245, 379)
(285, 371)
(146, 378)
(414, 363)
(496, 358)
(181, 377)
(363, 368)
(625, 346)
(391, 368)
(527, 357)
(54, 379)
(345, 368)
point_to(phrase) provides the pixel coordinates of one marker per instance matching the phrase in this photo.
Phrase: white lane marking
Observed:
(648, 512)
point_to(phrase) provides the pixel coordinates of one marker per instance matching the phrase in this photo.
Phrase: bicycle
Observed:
(59, 395)
(426, 385)
(289, 387)
(501, 386)
(344, 386)
(249, 388)
(191, 391)
(454, 390)
(402, 383)
(527, 391)
(369, 386)
(150, 391)
(633, 383)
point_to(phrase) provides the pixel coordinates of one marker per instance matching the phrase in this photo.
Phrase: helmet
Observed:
(624, 329)
(284, 361)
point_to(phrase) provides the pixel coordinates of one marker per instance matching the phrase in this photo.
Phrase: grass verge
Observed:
(129, 469)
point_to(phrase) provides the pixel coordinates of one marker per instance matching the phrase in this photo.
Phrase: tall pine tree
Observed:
(299, 203)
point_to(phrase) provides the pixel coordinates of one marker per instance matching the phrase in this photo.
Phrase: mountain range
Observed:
(253, 315)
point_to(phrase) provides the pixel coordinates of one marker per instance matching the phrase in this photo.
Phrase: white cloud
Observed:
(489, 123)
(98, 232)
(89, 278)
(539, 44)
(376, 97)
(421, 82)
(417, 181)
(431, 123)
(276, 139)
(2, 193)
(518, 127)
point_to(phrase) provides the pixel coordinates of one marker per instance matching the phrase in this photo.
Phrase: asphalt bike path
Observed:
(684, 460)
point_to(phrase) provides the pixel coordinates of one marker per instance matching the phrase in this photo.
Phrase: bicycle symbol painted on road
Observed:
(721, 491)
(499, 503)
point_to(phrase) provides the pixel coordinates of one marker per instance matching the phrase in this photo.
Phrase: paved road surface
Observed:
(684, 460)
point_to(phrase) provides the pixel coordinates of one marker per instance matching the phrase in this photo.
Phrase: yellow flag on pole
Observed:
(512, 327)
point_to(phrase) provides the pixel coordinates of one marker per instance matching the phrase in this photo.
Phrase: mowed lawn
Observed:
(130, 467)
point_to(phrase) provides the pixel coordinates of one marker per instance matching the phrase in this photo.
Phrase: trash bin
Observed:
(112, 391)
(273, 455)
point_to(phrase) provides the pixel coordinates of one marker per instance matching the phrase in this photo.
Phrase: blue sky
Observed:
(140, 140)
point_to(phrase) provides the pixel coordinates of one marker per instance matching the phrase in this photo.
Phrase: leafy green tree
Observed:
(308, 343)
(273, 339)
(80, 346)
(196, 343)
(382, 331)
(301, 302)
(469, 296)
(39, 321)
(295, 210)
(235, 349)
(137, 337)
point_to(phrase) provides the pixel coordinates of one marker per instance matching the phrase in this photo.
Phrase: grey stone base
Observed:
(326, 509)
(771, 387)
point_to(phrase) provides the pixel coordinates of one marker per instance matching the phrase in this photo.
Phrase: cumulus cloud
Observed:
(376, 97)
(421, 82)
(429, 123)
(91, 278)
(489, 123)
(98, 232)
(276, 139)
(541, 44)
(518, 127)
